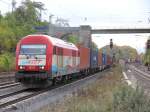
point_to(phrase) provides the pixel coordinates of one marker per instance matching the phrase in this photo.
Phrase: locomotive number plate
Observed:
(31, 67)
(35, 62)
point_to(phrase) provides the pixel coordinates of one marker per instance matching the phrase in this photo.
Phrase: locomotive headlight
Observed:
(21, 67)
(42, 67)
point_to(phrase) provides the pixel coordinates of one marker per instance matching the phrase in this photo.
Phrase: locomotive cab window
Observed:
(33, 49)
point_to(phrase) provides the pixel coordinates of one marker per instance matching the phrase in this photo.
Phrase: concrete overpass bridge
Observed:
(84, 32)
(120, 31)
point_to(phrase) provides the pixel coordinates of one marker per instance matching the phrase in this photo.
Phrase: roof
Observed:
(59, 42)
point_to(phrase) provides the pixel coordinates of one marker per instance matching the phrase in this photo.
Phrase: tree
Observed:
(73, 39)
(94, 46)
(40, 7)
(19, 23)
(62, 22)
(147, 54)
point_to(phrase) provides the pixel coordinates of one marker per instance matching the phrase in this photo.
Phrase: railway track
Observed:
(11, 94)
(7, 75)
(141, 73)
(7, 78)
(8, 85)
(13, 98)
(142, 68)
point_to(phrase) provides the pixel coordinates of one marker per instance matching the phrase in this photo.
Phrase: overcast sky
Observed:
(136, 41)
(98, 14)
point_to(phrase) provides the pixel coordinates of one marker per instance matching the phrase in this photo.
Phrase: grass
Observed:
(107, 94)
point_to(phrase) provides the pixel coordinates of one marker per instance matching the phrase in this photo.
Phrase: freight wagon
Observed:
(84, 55)
(94, 60)
(109, 61)
(100, 62)
(104, 60)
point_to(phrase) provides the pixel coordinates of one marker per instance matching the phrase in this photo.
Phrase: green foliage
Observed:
(121, 51)
(94, 46)
(7, 62)
(7, 38)
(73, 39)
(107, 94)
(14, 25)
(95, 97)
(127, 99)
(18, 24)
(147, 56)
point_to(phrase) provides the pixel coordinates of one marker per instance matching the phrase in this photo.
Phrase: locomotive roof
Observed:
(58, 42)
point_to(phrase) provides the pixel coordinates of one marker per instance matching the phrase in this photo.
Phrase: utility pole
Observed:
(50, 18)
(13, 3)
(50, 24)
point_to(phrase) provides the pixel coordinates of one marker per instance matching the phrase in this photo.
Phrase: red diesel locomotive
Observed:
(41, 57)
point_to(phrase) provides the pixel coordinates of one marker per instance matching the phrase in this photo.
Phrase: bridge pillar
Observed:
(83, 32)
(85, 35)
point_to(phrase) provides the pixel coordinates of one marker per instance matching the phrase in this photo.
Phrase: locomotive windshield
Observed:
(33, 49)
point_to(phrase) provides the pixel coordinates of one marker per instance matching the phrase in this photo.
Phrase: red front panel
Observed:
(30, 40)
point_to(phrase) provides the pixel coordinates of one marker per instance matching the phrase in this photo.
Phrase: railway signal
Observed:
(112, 52)
(111, 44)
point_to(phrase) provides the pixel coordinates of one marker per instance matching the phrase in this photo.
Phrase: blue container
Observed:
(104, 57)
(93, 58)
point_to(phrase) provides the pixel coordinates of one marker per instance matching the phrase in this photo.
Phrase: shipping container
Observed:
(104, 61)
(99, 58)
(94, 58)
(109, 60)
(84, 54)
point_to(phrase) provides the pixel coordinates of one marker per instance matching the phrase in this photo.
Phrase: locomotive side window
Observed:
(33, 49)
(59, 51)
(54, 50)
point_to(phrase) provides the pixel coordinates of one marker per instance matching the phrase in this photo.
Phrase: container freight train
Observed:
(43, 60)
